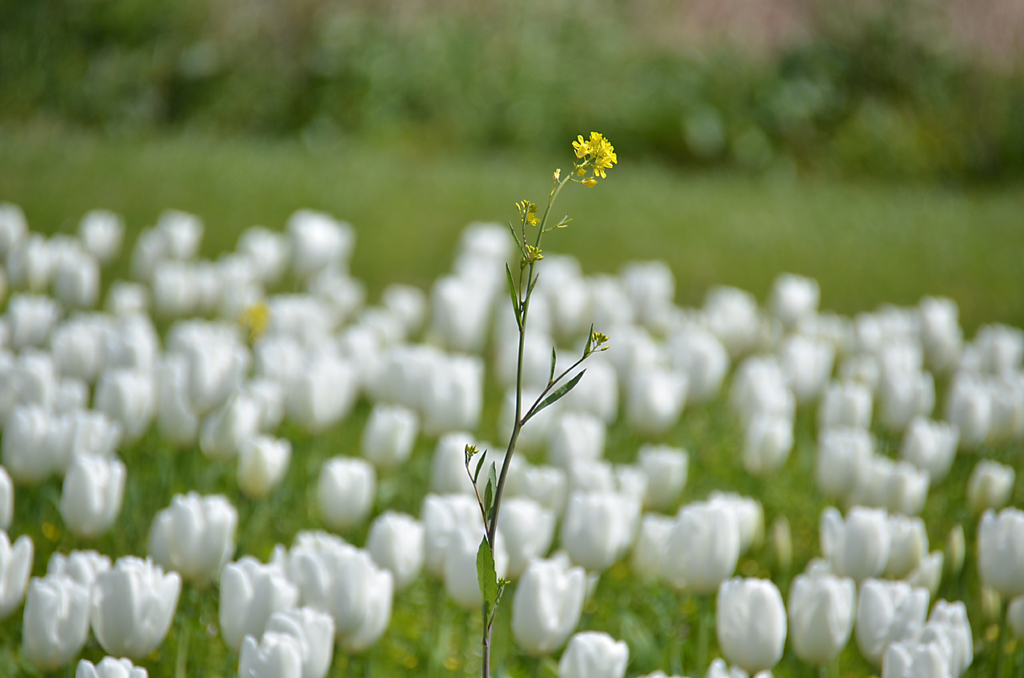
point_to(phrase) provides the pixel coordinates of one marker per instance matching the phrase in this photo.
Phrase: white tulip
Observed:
(6, 499)
(452, 395)
(941, 336)
(759, 388)
(92, 493)
(821, 615)
(599, 528)
(610, 305)
(345, 492)
(102, 233)
(651, 288)
(389, 435)
(733, 317)
(442, 515)
(460, 573)
(79, 346)
(751, 623)
(224, 431)
(594, 655)
(194, 536)
(82, 566)
(71, 396)
(30, 319)
(949, 627)
(546, 485)
(181, 232)
(1015, 616)
(909, 546)
(127, 298)
(129, 398)
(969, 408)
(719, 669)
(703, 547)
(76, 280)
(322, 393)
(13, 227)
(176, 419)
(344, 582)
(655, 400)
(547, 605)
(909, 659)
(56, 621)
(132, 607)
(250, 592)
(905, 395)
(110, 668)
(897, 486)
(930, 446)
(448, 473)
(262, 464)
(666, 470)
(576, 437)
(26, 454)
(395, 543)
(597, 392)
(34, 379)
(315, 632)
(527, 529)
(277, 655)
(1001, 551)
(460, 308)
(749, 516)
(647, 559)
(806, 366)
(1001, 348)
(268, 251)
(793, 297)
(859, 547)
(702, 358)
(888, 612)
(766, 444)
(990, 486)
(845, 404)
(15, 568)
(318, 240)
(408, 303)
(843, 455)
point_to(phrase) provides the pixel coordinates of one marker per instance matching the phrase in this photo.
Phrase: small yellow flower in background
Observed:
(532, 254)
(557, 175)
(597, 154)
(255, 319)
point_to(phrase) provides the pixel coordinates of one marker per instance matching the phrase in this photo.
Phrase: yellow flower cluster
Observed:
(527, 212)
(597, 154)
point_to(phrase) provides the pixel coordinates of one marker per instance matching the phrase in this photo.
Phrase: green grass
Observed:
(866, 244)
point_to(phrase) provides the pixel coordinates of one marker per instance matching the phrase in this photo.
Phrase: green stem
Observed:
(181, 664)
(702, 638)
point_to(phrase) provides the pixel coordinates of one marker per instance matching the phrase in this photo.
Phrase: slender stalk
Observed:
(702, 637)
(835, 667)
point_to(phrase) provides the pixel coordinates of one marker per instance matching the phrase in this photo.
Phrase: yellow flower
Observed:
(557, 175)
(533, 254)
(528, 211)
(590, 183)
(597, 153)
(255, 319)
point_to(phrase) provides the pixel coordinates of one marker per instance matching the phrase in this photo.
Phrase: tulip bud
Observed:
(821, 614)
(843, 455)
(732, 315)
(460, 309)
(576, 437)
(859, 547)
(751, 623)
(6, 499)
(599, 527)
(969, 408)
(91, 498)
(277, 655)
(909, 659)
(846, 404)
(651, 287)
(408, 303)
(782, 543)
(594, 655)
(991, 605)
(909, 546)
(930, 446)
(441, 516)
(315, 632)
(389, 435)
(647, 560)
(703, 547)
(194, 536)
(665, 468)
(250, 592)
(82, 566)
(395, 543)
(15, 568)
(547, 605)
(767, 444)
(262, 465)
(56, 621)
(110, 668)
(1001, 551)
(460, 580)
(905, 395)
(223, 431)
(956, 548)
(346, 492)
(101, 233)
(132, 607)
(990, 486)
(76, 280)
(24, 444)
(888, 612)
(527, 529)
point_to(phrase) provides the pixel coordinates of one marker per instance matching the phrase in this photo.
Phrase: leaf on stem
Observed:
(556, 396)
(551, 374)
(479, 465)
(490, 490)
(488, 580)
(514, 297)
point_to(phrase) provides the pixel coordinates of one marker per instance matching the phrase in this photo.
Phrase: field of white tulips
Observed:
(240, 462)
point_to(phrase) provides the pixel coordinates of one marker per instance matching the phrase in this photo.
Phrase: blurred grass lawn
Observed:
(866, 244)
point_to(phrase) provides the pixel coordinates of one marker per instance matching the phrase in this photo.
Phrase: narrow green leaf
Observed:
(512, 294)
(551, 374)
(516, 237)
(590, 341)
(479, 465)
(557, 395)
(492, 487)
(487, 578)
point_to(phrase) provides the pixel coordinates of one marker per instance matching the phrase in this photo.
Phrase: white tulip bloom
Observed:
(6, 499)
(132, 607)
(26, 454)
(15, 568)
(596, 394)
(546, 485)
(990, 486)
(751, 623)
(655, 400)
(527, 529)
(648, 557)
(666, 469)
(909, 546)
(452, 394)
(806, 366)
(76, 280)
(30, 319)
(941, 336)
(859, 547)
(345, 492)
(82, 566)
(442, 515)
(110, 668)
(547, 605)
(250, 592)
(194, 536)
(262, 464)
(460, 573)
(888, 612)
(845, 404)
(389, 435)
(13, 227)
(732, 315)
(322, 394)
(395, 543)
(651, 288)
(276, 655)
(224, 431)
(594, 655)
(127, 298)
(576, 437)
(129, 398)
(318, 240)
(460, 308)
(843, 455)
(821, 615)
(701, 357)
(599, 528)
(56, 621)
(90, 500)
(1001, 551)
(930, 446)
(703, 547)
(766, 444)
(793, 298)
(949, 627)
(315, 632)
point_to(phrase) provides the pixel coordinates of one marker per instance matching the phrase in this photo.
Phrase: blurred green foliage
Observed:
(860, 95)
